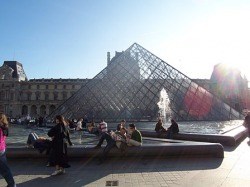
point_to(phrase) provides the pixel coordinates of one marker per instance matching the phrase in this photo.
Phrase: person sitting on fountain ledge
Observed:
(136, 138)
(39, 143)
(159, 127)
(113, 139)
(173, 129)
(92, 129)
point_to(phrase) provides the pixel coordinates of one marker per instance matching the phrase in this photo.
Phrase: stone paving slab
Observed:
(233, 170)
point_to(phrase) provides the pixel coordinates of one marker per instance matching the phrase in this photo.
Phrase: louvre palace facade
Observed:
(20, 97)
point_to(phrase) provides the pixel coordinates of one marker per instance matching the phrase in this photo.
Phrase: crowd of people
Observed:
(58, 140)
(56, 146)
(29, 121)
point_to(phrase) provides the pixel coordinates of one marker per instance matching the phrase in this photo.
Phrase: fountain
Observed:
(164, 108)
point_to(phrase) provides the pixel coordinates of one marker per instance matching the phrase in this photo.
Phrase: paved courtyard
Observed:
(233, 170)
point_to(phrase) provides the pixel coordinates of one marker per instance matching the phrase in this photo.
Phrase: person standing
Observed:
(247, 123)
(85, 121)
(4, 168)
(59, 135)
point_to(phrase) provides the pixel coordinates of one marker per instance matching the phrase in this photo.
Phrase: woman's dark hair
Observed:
(173, 121)
(61, 120)
(132, 125)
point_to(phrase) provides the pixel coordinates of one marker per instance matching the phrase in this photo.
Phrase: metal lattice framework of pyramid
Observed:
(129, 88)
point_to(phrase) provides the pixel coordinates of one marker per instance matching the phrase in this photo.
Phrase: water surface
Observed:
(18, 134)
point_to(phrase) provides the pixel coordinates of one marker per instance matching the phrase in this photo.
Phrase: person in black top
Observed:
(85, 121)
(173, 129)
(59, 135)
(159, 127)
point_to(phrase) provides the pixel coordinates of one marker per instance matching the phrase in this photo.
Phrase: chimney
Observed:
(108, 58)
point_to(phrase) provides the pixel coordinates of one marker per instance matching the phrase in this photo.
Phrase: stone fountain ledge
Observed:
(165, 148)
(231, 138)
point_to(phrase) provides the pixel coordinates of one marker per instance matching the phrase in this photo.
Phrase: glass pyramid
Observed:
(130, 86)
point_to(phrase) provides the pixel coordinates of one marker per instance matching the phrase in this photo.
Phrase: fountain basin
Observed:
(154, 148)
(230, 138)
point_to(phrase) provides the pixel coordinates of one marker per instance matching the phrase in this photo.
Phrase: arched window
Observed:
(24, 110)
(43, 110)
(20, 97)
(38, 95)
(33, 110)
(51, 108)
(46, 96)
(55, 95)
(64, 94)
(29, 96)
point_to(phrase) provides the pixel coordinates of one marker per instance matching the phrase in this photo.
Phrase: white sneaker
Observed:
(57, 172)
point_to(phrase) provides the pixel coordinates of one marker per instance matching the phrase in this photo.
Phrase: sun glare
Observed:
(222, 37)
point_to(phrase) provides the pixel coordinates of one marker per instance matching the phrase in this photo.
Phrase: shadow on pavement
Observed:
(87, 171)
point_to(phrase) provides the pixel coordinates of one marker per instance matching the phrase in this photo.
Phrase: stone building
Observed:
(36, 97)
(21, 97)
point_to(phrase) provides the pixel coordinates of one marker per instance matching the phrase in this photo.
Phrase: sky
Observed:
(71, 38)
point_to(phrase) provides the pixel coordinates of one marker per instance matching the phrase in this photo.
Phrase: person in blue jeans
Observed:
(32, 139)
(4, 168)
(113, 140)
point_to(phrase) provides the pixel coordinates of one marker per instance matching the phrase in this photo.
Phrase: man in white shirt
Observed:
(79, 125)
(103, 126)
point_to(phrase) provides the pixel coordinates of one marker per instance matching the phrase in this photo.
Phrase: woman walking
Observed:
(4, 168)
(59, 134)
